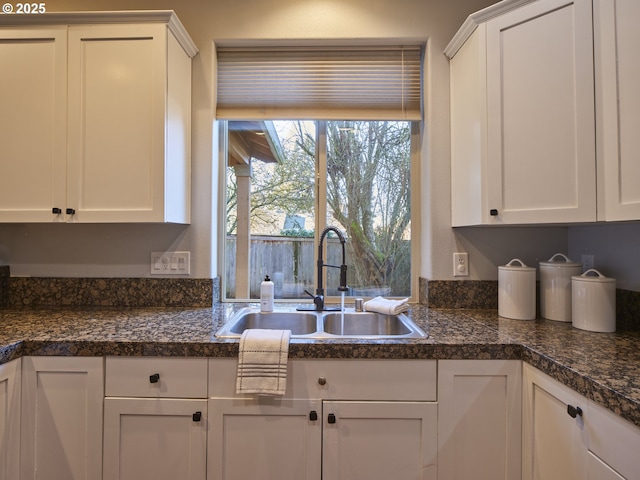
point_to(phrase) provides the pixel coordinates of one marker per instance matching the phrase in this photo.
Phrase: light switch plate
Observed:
(170, 263)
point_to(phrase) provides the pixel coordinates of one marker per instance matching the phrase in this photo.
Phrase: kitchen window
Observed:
(288, 177)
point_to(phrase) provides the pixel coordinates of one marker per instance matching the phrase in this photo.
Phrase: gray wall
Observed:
(123, 250)
(615, 249)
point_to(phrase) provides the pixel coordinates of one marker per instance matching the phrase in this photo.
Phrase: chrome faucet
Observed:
(318, 298)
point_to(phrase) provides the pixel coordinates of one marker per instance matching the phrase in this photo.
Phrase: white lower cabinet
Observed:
(567, 436)
(61, 419)
(264, 438)
(379, 440)
(479, 419)
(159, 439)
(167, 418)
(155, 419)
(614, 444)
(554, 443)
(340, 419)
(10, 381)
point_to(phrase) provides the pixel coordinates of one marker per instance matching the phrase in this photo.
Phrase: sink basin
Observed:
(300, 323)
(322, 325)
(365, 324)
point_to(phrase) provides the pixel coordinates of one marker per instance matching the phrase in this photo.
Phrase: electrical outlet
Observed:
(170, 263)
(587, 262)
(461, 264)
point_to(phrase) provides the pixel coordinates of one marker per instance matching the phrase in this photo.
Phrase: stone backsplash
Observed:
(484, 294)
(203, 292)
(111, 292)
(459, 294)
(4, 285)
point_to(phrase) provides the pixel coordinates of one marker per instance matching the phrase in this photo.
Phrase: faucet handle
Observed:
(343, 279)
(318, 300)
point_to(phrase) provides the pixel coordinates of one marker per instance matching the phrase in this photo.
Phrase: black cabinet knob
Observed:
(56, 211)
(70, 211)
(197, 416)
(313, 415)
(331, 418)
(155, 378)
(493, 212)
(574, 411)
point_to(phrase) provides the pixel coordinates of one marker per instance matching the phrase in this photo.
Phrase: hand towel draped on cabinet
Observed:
(262, 362)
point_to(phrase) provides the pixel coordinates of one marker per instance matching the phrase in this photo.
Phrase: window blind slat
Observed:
(370, 83)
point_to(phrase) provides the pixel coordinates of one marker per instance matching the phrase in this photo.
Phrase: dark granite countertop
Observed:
(604, 367)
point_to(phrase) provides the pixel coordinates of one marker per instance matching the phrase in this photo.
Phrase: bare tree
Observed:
(368, 194)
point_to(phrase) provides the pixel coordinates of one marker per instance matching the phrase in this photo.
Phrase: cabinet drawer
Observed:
(614, 441)
(156, 377)
(340, 379)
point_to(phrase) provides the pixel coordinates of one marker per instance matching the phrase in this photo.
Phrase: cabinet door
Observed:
(479, 419)
(33, 124)
(62, 418)
(159, 439)
(264, 438)
(117, 85)
(554, 444)
(540, 113)
(379, 440)
(618, 108)
(10, 419)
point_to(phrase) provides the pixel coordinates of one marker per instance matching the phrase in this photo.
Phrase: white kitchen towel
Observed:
(387, 306)
(262, 362)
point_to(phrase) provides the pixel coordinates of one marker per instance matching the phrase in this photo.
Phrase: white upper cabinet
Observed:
(522, 115)
(33, 123)
(617, 38)
(97, 128)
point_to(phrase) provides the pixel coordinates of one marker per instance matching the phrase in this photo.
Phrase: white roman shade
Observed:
(330, 83)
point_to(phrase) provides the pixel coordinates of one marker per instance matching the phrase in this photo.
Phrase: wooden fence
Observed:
(289, 261)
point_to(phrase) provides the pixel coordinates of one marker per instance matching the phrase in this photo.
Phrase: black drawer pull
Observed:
(574, 411)
(313, 415)
(197, 416)
(70, 211)
(56, 211)
(155, 378)
(331, 418)
(493, 212)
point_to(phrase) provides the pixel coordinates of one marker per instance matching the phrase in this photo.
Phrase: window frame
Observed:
(321, 208)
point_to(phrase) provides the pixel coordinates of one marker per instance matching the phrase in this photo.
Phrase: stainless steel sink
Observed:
(365, 323)
(311, 324)
(300, 323)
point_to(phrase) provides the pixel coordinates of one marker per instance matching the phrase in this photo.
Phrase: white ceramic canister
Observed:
(593, 302)
(517, 291)
(555, 287)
